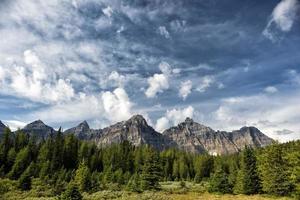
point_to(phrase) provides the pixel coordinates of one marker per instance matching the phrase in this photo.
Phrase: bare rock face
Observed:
(2, 127)
(38, 129)
(135, 130)
(188, 136)
(193, 137)
(82, 131)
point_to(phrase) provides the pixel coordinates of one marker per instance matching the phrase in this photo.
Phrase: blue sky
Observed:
(227, 64)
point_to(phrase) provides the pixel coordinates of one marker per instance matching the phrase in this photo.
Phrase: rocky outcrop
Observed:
(2, 127)
(38, 129)
(82, 131)
(189, 136)
(135, 130)
(194, 137)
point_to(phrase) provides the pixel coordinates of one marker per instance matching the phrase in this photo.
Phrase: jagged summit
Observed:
(39, 129)
(187, 135)
(194, 137)
(136, 130)
(82, 130)
(2, 127)
(188, 120)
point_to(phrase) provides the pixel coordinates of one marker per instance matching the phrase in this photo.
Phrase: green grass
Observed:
(169, 191)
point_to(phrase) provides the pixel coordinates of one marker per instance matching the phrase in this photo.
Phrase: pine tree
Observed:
(5, 146)
(134, 183)
(151, 171)
(21, 163)
(57, 156)
(274, 172)
(83, 177)
(219, 182)
(71, 193)
(25, 178)
(248, 181)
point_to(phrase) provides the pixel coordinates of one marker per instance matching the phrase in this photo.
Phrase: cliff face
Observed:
(189, 136)
(197, 138)
(135, 130)
(38, 129)
(2, 127)
(83, 131)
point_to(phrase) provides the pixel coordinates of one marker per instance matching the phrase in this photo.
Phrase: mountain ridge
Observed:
(188, 135)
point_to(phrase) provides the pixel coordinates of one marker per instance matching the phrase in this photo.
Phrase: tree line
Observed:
(71, 166)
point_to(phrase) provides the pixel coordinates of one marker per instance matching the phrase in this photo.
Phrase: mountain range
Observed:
(188, 136)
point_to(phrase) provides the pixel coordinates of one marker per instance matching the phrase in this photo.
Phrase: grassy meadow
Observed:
(169, 191)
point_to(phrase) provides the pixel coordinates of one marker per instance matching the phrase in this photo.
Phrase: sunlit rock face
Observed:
(38, 129)
(136, 131)
(2, 127)
(189, 136)
(194, 137)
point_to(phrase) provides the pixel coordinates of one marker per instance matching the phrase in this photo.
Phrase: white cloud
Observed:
(271, 89)
(116, 77)
(33, 81)
(108, 11)
(117, 105)
(174, 117)
(83, 108)
(283, 17)
(205, 83)
(159, 82)
(269, 113)
(14, 124)
(165, 68)
(162, 124)
(164, 32)
(185, 89)
(204, 66)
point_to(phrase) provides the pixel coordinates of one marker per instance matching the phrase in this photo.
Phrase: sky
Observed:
(226, 64)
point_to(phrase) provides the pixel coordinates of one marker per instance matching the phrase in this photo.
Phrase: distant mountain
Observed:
(2, 127)
(194, 137)
(189, 135)
(38, 129)
(83, 131)
(135, 130)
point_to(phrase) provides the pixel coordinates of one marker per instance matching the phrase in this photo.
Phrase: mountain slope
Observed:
(2, 127)
(82, 131)
(189, 135)
(38, 129)
(135, 130)
(193, 137)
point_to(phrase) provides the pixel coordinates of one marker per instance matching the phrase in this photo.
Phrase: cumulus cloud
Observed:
(165, 68)
(205, 83)
(117, 105)
(283, 17)
(108, 11)
(117, 78)
(269, 113)
(164, 32)
(14, 124)
(271, 89)
(174, 117)
(34, 82)
(185, 89)
(83, 108)
(159, 82)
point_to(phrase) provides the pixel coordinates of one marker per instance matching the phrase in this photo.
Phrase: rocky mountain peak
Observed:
(84, 125)
(82, 130)
(189, 120)
(2, 127)
(38, 128)
(137, 120)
